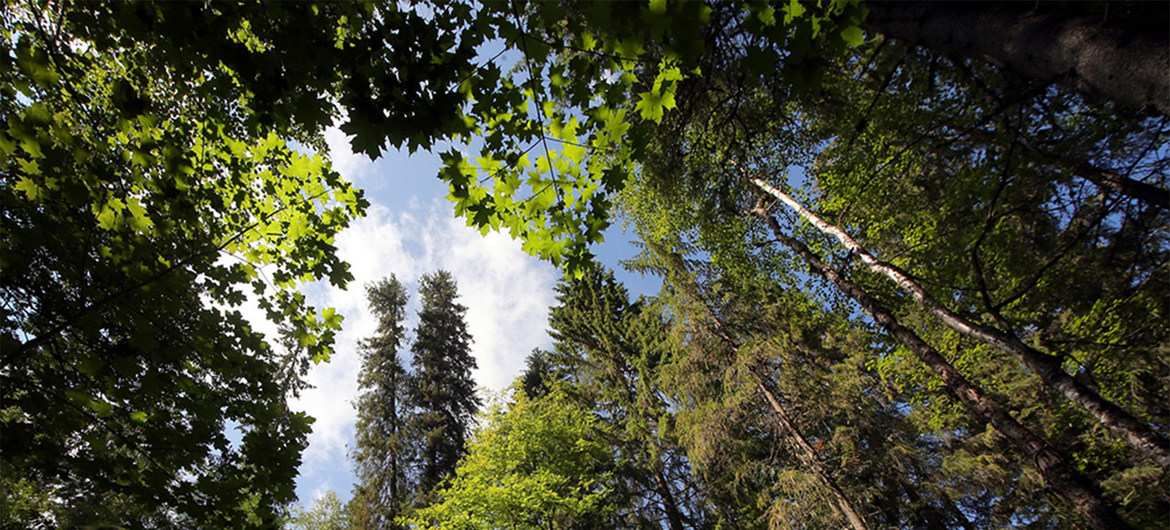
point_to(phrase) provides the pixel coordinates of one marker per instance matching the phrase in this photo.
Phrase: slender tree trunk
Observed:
(946, 517)
(673, 514)
(810, 457)
(1058, 474)
(1136, 433)
(673, 517)
(1146, 193)
(1123, 59)
(843, 504)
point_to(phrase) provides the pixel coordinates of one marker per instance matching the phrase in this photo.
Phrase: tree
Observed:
(1083, 493)
(779, 412)
(538, 376)
(611, 350)
(535, 464)
(384, 454)
(884, 146)
(327, 513)
(1053, 466)
(444, 391)
(139, 204)
(148, 170)
(1039, 231)
(1048, 368)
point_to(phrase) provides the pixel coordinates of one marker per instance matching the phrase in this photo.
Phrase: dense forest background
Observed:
(913, 257)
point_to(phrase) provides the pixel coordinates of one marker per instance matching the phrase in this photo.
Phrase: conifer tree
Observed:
(444, 392)
(612, 349)
(539, 374)
(385, 447)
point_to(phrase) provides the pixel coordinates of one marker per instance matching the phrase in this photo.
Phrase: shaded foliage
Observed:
(444, 397)
(386, 450)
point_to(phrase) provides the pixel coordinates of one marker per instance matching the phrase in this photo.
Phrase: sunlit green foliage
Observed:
(156, 170)
(558, 137)
(154, 174)
(534, 463)
(327, 513)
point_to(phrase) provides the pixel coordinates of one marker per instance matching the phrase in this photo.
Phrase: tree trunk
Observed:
(1125, 59)
(948, 517)
(1135, 189)
(1146, 193)
(810, 454)
(810, 457)
(1136, 433)
(1058, 474)
(673, 516)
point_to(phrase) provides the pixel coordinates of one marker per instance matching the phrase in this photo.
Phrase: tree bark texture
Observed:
(1057, 472)
(1138, 434)
(1125, 59)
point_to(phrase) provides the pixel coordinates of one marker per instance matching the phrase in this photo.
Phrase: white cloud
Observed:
(506, 291)
(356, 168)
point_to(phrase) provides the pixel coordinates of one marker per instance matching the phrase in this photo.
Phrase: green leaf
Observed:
(29, 167)
(32, 147)
(30, 188)
(573, 152)
(658, 7)
(139, 220)
(101, 408)
(767, 16)
(667, 71)
(488, 164)
(107, 217)
(853, 36)
(652, 105)
(793, 11)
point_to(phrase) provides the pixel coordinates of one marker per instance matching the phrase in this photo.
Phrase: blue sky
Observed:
(409, 231)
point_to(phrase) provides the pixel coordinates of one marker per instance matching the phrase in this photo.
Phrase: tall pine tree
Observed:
(444, 393)
(385, 449)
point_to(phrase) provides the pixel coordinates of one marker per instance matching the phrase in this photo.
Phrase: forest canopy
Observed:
(912, 276)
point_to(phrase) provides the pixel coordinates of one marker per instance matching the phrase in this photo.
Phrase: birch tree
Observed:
(1141, 436)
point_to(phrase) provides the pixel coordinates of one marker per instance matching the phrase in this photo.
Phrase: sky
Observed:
(410, 230)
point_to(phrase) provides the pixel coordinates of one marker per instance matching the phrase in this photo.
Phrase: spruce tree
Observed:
(444, 392)
(539, 374)
(385, 447)
(611, 350)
